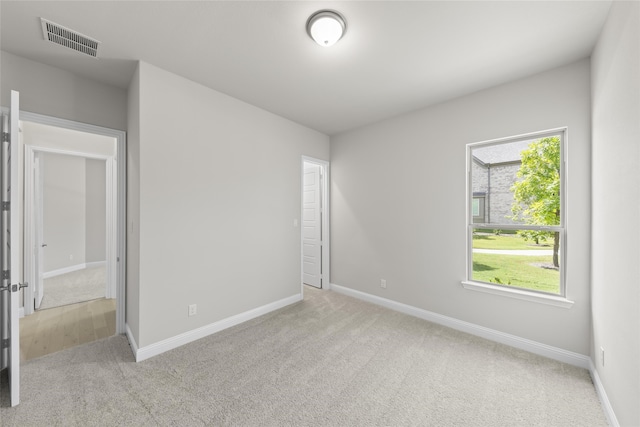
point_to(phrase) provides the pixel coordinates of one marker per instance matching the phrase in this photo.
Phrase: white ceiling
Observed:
(395, 57)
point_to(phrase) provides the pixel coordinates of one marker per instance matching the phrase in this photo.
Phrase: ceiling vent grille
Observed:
(68, 38)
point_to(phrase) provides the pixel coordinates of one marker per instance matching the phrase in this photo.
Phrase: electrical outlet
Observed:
(602, 355)
(193, 309)
(383, 283)
(71, 257)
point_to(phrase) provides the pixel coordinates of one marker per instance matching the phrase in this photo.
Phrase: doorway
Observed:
(69, 227)
(315, 223)
(73, 226)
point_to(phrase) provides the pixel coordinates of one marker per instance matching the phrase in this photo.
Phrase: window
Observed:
(515, 216)
(478, 207)
(475, 209)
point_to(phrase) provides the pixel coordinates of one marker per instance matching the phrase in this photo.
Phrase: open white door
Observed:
(311, 226)
(10, 244)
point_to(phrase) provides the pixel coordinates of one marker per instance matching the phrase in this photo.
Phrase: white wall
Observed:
(398, 204)
(58, 93)
(74, 210)
(65, 203)
(219, 188)
(61, 139)
(616, 209)
(132, 317)
(96, 210)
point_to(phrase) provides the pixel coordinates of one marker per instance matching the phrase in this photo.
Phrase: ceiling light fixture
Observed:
(326, 27)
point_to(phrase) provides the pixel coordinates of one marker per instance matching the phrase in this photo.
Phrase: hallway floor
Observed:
(51, 330)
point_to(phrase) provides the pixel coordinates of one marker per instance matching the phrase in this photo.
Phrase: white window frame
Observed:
(512, 291)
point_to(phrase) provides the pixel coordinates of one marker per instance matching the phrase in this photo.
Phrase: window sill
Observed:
(557, 301)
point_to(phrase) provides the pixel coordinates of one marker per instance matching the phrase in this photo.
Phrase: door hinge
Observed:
(6, 206)
(5, 137)
(5, 343)
(6, 274)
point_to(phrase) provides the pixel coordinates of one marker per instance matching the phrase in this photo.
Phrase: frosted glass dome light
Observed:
(326, 27)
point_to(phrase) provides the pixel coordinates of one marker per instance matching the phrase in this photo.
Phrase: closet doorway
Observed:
(315, 223)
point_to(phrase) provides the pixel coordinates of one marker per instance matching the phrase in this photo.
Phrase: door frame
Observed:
(325, 211)
(37, 287)
(116, 206)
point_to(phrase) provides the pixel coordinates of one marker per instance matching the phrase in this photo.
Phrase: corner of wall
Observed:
(615, 296)
(133, 210)
(602, 395)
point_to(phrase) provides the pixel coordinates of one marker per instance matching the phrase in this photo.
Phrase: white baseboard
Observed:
(95, 264)
(160, 347)
(64, 270)
(534, 347)
(602, 395)
(71, 268)
(132, 341)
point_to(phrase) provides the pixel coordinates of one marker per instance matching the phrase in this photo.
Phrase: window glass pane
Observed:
(475, 207)
(523, 259)
(520, 181)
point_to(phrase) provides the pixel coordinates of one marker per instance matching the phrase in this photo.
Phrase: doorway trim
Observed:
(325, 211)
(116, 205)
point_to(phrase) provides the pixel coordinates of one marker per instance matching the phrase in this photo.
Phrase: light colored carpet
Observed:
(329, 360)
(78, 286)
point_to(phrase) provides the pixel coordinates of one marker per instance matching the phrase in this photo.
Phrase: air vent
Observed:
(68, 38)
